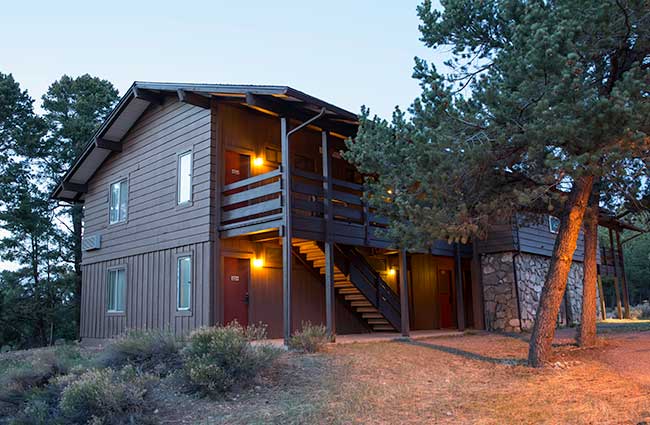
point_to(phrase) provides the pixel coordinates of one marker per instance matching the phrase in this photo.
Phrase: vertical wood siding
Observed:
(150, 293)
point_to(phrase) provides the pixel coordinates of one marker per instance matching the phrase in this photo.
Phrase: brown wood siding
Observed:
(149, 161)
(150, 293)
(308, 296)
(535, 237)
(500, 238)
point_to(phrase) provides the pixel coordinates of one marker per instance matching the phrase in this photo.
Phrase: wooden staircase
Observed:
(344, 287)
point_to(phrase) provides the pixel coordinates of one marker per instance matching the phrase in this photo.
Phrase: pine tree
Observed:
(540, 98)
(74, 109)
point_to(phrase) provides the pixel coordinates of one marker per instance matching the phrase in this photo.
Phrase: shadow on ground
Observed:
(467, 354)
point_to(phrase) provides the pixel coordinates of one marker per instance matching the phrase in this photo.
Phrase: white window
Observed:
(184, 283)
(116, 292)
(119, 199)
(185, 178)
(553, 224)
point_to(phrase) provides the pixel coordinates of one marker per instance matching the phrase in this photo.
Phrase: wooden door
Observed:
(235, 291)
(238, 167)
(446, 298)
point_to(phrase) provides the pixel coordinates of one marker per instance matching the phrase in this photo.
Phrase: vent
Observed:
(91, 243)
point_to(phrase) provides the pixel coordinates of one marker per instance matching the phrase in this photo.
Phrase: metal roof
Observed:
(133, 104)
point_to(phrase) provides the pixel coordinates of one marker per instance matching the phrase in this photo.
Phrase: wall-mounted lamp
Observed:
(392, 271)
(258, 263)
(258, 161)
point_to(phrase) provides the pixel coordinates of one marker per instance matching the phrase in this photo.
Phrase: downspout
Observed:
(514, 272)
(306, 123)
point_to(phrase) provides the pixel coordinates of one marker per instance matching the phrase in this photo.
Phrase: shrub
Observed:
(151, 350)
(641, 311)
(217, 358)
(106, 396)
(17, 384)
(311, 339)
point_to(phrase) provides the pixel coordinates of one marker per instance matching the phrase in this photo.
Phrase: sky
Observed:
(349, 53)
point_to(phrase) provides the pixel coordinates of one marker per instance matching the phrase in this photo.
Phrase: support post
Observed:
(603, 311)
(460, 300)
(616, 290)
(404, 293)
(477, 289)
(330, 300)
(621, 258)
(287, 259)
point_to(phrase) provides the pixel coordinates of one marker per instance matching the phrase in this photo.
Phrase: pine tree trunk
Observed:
(558, 272)
(77, 216)
(587, 335)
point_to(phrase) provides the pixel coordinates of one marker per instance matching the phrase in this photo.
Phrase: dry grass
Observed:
(475, 379)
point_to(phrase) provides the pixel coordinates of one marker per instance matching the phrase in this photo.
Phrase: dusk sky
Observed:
(349, 53)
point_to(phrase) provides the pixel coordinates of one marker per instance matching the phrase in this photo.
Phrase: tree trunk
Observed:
(77, 215)
(558, 272)
(587, 334)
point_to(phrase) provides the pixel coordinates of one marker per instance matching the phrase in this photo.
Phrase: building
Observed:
(198, 198)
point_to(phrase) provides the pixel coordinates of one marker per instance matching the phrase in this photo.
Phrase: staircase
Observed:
(368, 310)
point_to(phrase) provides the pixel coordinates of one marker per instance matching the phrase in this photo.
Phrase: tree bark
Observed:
(77, 216)
(558, 272)
(587, 334)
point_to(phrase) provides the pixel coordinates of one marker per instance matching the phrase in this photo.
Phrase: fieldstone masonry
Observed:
(499, 293)
(503, 306)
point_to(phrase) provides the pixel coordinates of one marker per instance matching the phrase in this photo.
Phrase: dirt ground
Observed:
(473, 379)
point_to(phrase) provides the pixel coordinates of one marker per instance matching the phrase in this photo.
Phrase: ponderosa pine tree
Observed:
(74, 109)
(539, 99)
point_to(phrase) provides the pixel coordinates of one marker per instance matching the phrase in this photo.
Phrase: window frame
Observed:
(178, 178)
(184, 310)
(116, 269)
(550, 224)
(110, 199)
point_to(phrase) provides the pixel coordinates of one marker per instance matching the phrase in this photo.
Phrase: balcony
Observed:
(255, 205)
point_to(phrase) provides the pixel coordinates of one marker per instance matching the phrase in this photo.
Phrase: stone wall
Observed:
(501, 300)
(531, 273)
(499, 293)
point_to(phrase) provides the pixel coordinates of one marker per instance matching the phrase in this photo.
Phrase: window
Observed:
(184, 178)
(273, 155)
(184, 283)
(116, 290)
(118, 202)
(553, 224)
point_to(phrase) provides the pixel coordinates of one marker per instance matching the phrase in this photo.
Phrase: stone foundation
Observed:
(506, 298)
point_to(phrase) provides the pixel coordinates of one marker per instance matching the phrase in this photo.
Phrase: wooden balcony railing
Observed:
(257, 200)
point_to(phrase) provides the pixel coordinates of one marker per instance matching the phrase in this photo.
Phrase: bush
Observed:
(18, 383)
(641, 311)
(106, 396)
(217, 358)
(151, 351)
(311, 339)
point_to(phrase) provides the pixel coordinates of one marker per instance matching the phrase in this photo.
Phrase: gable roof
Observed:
(276, 100)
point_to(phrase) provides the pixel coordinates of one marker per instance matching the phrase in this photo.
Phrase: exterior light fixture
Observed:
(258, 161)
(258, 263)
(392, 271)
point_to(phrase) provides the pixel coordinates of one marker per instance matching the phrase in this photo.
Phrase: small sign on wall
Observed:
(234, 278)
(234, 171)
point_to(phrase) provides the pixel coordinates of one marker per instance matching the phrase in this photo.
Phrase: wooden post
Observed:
(603, 311)
(330, 295)
(477, 289)
(404, 293)
(616, 290)
(287, 259)
(621, 258)
(460, 300)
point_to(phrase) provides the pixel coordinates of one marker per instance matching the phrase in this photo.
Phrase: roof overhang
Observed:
(273, 100)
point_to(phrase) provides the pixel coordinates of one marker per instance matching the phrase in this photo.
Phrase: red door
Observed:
(445, 298)
(235, 291)
(238, 167)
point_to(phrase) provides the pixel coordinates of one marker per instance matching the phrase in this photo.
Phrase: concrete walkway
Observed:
(382, 337)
